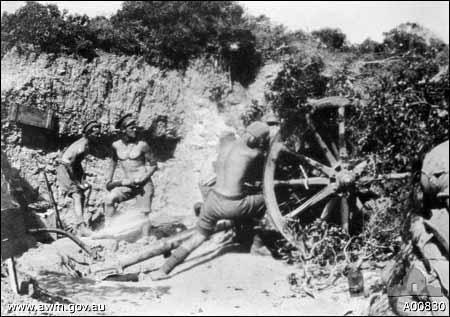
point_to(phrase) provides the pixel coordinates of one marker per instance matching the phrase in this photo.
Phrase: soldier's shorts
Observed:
(143, 195)
(69, 181)
(218, 206)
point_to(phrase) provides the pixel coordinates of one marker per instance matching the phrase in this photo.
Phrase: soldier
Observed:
(434, 178)
(228, 199)
(208, 174)
(71, 178)
(430, 232)
(426, 270)
(138, 165)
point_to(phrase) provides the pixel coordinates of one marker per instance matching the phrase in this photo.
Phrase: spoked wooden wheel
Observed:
(299, 186)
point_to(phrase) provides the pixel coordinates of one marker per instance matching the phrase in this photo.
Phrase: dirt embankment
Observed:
(182, 114)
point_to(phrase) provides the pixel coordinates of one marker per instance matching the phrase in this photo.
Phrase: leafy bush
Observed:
(271, 39)
(400, 41)
(400, 110)
(370, 46)
(111, 39)
(332, 38)
(47, 29)
(167, 33)
(406, 114)
(170, 33)
(299, 79)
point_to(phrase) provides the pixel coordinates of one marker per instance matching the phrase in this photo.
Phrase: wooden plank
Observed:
(13, 275)
(329, 102)
(31, 116)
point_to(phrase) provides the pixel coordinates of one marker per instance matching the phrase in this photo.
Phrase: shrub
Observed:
(403, 113)
(170, 33)
(271, 39)
(167, 33)
(111, 39)
(405, 38)
(332, 38)
(370, 46)
(299, 79)
(47, 29)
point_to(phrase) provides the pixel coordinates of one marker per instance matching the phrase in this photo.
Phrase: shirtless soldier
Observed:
(138, 165)
(70, 175)
(229, 198)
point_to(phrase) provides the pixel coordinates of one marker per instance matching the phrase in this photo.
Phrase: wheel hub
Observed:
(345, 178)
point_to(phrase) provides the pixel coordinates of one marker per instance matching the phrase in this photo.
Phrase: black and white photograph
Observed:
(225, 158)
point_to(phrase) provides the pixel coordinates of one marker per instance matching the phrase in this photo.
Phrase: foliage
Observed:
(47, 29)
(400, 110)
(167, 33)
(111, 39)
(370, 46)
(271, 39)
(400, 41)
(170, 33)
(299, 79)
(332, 38)
(408, 112)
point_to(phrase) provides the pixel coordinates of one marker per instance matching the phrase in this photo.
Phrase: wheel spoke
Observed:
(304, 181)
(359, 204)
(391, 176)
(342, 147)
(328, 154)
(328, 208)
(321, 195)
(317, 165)
(334, 149)
(344, 213)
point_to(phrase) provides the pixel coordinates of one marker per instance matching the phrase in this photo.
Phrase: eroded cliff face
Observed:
(183, 114)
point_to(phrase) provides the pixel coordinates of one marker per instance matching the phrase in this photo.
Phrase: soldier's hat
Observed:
(90, 125)
(125, 121)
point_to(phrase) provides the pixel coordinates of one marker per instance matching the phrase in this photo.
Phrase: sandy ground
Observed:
(220, 278)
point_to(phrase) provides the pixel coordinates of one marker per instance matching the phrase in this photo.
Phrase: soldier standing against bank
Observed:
(138, 164)
(71, 178)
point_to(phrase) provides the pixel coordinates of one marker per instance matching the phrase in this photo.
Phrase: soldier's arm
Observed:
(150, 163)
(82, 150)
(70, 154)
(69, 157)
(112, 168)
